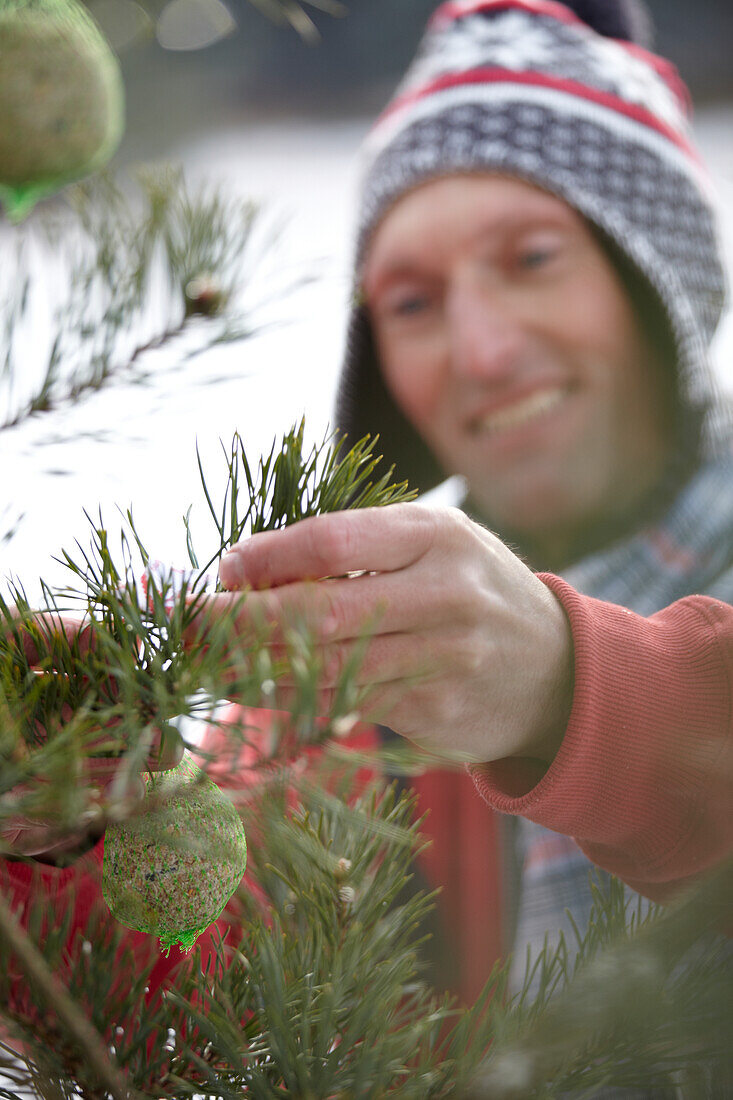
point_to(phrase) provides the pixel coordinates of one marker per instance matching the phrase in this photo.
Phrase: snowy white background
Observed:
(133, 444)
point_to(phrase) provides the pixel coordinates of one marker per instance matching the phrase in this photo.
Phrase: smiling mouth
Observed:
(521, 412)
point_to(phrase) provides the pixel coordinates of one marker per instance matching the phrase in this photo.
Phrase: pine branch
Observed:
(646, 999)
(322, 997)
(321, 994)
(76, 1024)
(10, 520)
(109, 988)
(169, 263)
(292, 483)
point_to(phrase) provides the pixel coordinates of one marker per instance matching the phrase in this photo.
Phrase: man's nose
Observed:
(486, 333)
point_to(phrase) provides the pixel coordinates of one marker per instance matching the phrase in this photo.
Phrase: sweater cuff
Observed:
(639, 778)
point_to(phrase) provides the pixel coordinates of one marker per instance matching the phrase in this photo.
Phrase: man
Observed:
(538, 283)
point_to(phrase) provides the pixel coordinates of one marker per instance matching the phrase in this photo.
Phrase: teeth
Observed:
(522, 411)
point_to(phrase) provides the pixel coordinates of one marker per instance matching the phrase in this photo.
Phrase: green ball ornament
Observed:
(61, 99)
(170, 870)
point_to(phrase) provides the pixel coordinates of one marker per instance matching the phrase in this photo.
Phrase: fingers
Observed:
(336, 609)
(383, 659)
(376, 704)
(396, 704)
(394, 681)
(370, 539)
(38, 642)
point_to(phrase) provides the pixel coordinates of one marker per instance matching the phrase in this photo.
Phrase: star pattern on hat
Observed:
(634, 80)
(510, 40)
(518, 41)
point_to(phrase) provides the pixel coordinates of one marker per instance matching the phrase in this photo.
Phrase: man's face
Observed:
(508, 341)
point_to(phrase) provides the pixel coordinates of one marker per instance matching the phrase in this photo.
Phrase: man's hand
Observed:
(471, 656)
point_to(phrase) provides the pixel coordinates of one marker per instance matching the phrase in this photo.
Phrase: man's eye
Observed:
(532, 254)
(409, 305)
(535, 257)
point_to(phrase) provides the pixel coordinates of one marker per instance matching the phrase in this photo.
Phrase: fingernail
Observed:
(231, 570)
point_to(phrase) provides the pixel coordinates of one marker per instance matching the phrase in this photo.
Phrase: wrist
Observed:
(552, 694)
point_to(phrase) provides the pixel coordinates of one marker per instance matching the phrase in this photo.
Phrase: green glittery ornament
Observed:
(61, 99)
(171, 870)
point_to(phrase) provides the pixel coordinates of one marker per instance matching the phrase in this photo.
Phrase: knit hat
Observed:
(529, 89)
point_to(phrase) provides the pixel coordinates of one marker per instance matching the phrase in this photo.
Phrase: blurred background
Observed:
(274, 111)
(261, 69)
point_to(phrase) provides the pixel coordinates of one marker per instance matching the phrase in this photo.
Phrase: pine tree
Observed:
(317, 986)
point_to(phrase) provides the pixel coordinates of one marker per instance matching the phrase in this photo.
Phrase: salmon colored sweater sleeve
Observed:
(643, 780)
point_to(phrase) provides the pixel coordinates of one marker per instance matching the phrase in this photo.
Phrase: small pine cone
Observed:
(204, 296)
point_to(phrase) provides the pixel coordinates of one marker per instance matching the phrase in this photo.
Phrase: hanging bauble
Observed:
(171, 868)
(61, 99)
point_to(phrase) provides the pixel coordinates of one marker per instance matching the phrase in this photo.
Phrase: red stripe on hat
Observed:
(542, 80)
(456, 9)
